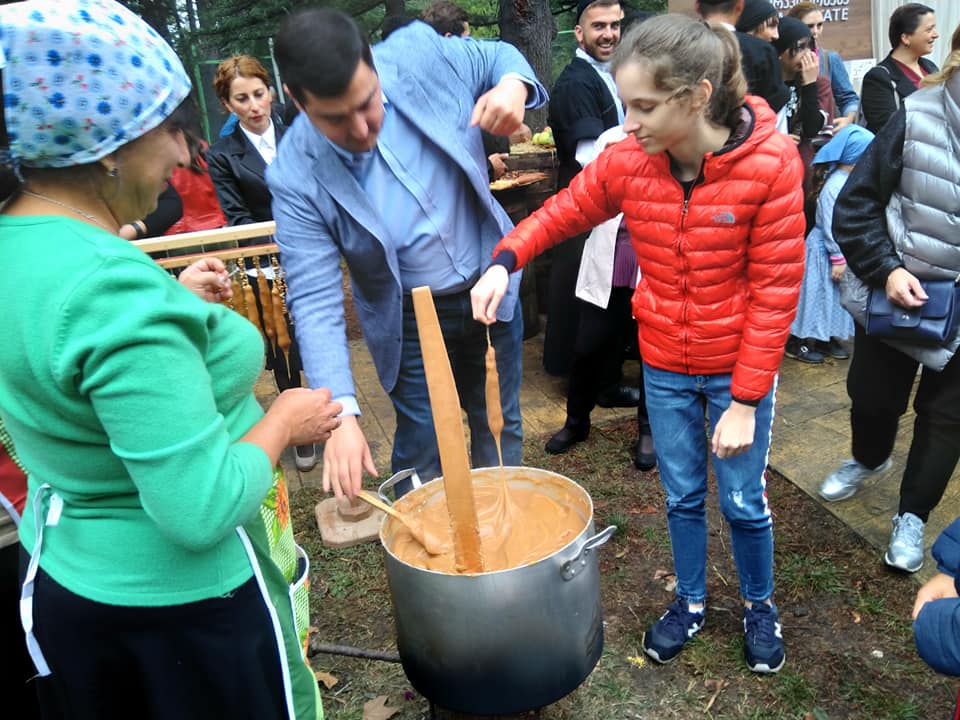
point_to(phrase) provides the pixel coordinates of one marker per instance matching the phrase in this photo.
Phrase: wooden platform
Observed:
(811, 436)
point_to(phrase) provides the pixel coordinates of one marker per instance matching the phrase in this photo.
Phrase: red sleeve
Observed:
(774, 273)
(591, 198)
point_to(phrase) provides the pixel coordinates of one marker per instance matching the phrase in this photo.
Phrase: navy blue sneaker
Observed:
(667, 636)
(763, 647)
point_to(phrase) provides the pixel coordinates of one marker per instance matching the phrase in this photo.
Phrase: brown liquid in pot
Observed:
(537, 525)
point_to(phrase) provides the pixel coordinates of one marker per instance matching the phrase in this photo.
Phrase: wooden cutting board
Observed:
(445, 405)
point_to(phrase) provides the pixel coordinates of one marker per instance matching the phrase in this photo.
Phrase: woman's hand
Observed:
(309, 415)
(207, 278)
(938, 587)
(836, 271)
(299, 416)
(734, 431)
(904, 289)
(486, 295)
(809, 67)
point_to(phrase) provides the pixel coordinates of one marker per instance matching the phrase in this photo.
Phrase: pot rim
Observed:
(587, 528)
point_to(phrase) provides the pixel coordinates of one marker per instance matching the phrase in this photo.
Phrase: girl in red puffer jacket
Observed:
(711, 194)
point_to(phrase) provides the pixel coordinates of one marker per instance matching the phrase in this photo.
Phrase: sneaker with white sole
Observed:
(906, 543)
(305, 457)
(763, 638)
(664, 640)
(847, 479)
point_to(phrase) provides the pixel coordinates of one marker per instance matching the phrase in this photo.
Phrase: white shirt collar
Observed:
(265, 144)
(602, 67)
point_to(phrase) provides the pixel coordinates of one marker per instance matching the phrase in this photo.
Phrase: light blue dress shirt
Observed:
(433, 213)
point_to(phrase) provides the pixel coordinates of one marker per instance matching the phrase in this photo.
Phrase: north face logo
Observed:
(724, 218)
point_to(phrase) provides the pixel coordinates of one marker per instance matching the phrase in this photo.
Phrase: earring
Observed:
(113, 172)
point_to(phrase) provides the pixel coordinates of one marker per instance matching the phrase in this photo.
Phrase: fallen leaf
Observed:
(621, 554)
(659, 573)
(643, 510)
(856, 618)
(637, 661)
(326, 678)
(716, 686)
(377, 709)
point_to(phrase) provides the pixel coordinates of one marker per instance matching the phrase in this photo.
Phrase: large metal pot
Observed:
(507, 641)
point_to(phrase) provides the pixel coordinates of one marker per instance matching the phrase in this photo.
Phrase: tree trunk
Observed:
(394, 7)
(528, 25)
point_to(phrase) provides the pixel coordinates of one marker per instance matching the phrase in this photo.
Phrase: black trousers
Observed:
(879, 384)
(602, 337)
(563, 307)
(215, 658)
(17, 690)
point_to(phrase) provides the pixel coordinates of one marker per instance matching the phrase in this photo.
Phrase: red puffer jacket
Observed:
(720, 271)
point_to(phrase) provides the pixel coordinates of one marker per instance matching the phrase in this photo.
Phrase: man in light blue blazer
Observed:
(385, 167)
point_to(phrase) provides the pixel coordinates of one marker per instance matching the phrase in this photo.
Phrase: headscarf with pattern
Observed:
(83, 78)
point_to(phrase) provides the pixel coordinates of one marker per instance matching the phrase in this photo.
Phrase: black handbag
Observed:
(933, 322)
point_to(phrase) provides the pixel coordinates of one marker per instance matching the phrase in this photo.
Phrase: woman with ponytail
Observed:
(711, 194)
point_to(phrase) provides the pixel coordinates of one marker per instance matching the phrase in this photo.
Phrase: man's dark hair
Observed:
(393, 22)
(709, 8)
(905, 20)
(445, 17)
(319, 49)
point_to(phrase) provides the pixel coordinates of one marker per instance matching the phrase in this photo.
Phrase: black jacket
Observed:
(239, 177)
(883, 90)
(581, 108)
(761, 66)
(859, 215)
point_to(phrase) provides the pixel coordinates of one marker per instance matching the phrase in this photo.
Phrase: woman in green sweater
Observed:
(154, 586)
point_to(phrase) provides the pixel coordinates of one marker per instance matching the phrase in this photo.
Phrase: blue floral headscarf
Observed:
(83, 78)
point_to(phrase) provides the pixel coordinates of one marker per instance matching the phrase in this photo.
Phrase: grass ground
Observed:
(846, 617)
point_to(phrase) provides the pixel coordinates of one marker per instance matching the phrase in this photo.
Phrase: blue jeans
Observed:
(675, 406)
(415, 441)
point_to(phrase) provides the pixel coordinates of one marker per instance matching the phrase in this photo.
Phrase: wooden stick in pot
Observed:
(445, 405)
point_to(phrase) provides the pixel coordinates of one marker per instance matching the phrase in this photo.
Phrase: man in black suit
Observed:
(759, 59)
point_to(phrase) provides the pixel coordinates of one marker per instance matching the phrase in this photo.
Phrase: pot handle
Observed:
(398, 477)
(574, 565)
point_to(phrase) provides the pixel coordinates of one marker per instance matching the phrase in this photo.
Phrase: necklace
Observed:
(64, 205)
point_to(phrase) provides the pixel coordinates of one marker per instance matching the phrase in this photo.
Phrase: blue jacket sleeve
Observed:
(936, 631)
(844, 96)
(946, 550)
(481, 64)
(311, 261)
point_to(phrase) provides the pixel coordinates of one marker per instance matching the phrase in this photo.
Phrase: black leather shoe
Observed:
(565, 439)
(645, 457)
(619, 396)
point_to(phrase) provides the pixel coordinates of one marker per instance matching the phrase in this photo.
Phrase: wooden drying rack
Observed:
(203, 238)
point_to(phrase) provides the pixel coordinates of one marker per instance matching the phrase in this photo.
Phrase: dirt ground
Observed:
(845, 616)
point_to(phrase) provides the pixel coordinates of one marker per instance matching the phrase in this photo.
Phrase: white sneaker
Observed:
(847, 479)
(906, 543)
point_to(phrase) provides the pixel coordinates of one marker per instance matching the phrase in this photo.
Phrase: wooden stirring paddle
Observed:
(431, 542)
(445, 405)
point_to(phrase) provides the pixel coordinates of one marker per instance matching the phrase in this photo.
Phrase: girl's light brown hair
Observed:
(234, 67)
(679, 51)
(801, 9)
